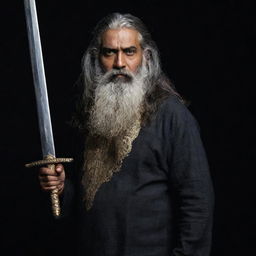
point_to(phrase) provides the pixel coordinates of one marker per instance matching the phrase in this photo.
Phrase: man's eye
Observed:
(107, 52)
(130, 51)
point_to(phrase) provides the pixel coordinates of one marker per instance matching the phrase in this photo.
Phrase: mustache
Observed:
(117, 75)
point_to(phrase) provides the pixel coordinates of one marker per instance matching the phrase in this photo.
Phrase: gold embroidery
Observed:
(103, 157)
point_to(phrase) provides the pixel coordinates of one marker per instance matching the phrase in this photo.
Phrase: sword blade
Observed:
(44, 117)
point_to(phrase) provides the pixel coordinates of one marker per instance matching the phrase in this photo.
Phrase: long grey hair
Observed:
(159, 86)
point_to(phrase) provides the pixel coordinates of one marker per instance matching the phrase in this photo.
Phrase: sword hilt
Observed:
(51, 161)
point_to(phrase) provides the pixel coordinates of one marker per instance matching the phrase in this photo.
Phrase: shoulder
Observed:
(173, 107)
(173, 111)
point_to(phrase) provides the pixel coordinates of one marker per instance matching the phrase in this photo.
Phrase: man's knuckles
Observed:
(50, 178)
(52, 183)
(47, 171)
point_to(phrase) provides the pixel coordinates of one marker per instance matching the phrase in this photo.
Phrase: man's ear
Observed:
(94, 53)
(147, 54)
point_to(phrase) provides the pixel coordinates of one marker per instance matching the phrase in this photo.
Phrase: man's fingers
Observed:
(47, 171)
(51, 179)
(51, 185)
(46, 178)
(54, 172)
(49, 188)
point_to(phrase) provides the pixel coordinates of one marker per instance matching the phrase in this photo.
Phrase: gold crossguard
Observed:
(50, 162)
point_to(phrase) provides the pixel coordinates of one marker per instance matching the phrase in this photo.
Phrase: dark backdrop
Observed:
(207, 49)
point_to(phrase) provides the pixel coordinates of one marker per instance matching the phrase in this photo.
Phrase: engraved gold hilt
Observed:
(50, 162)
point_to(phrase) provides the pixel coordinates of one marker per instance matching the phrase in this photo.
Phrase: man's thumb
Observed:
(59, 169)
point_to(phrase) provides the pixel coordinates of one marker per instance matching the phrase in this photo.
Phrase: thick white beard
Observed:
(117, 104)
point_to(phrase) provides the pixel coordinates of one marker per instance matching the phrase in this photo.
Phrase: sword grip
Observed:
(55, 198)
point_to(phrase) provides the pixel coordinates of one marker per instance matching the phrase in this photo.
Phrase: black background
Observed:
(207, 49)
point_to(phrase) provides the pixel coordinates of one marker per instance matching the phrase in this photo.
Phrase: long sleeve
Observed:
(190, 179)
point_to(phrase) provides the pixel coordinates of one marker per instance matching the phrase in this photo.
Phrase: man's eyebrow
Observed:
(130, 48)
(104, 49)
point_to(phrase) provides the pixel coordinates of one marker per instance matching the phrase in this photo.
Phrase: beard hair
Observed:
(114, 123)
(117, 102)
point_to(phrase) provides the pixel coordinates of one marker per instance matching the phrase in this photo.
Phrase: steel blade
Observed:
(44, 117)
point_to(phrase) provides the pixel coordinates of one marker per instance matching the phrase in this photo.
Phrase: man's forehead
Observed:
(123, 38)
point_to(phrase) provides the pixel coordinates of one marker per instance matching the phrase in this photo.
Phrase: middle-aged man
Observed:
(145, 183)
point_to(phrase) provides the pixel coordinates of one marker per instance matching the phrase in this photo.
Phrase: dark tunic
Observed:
(161, 201)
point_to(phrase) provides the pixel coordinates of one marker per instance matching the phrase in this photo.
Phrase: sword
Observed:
(43, 111)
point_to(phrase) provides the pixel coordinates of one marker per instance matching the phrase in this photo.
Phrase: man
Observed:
(146, 188)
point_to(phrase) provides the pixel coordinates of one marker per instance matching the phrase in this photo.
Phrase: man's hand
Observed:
(52, 179)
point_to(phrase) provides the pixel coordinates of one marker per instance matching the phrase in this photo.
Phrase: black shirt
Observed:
(160, 203)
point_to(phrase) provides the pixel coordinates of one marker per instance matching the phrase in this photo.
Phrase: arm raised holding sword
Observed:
(51, 173)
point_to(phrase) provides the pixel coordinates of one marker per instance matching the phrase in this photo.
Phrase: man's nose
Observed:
(119, 61)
